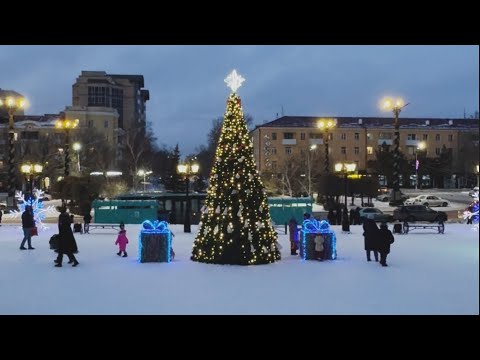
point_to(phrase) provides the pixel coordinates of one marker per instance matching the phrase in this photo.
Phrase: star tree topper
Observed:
(234, 80)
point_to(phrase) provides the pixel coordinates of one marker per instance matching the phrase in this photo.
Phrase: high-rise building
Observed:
(124, 93)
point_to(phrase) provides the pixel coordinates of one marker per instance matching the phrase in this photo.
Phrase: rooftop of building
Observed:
(311, 122)
(133, 78)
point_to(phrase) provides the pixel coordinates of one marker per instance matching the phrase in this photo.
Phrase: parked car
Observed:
(375, 214)
(473, 191)
(418, 213)
(427, 200)
(386, 197)
(3, 206)
(383, 190)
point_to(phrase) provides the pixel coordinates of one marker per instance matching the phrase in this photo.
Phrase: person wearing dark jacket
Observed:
(371, 234)
(385, 239)
(293, 231)
(331, 217)
(66, 241)
(27, 224)
(87, 219)
(352, 217)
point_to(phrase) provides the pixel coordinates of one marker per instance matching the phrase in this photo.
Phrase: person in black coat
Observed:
(352, 217)
(338, 213)
(331, 217)
(371, 235)
(385, 239)
(28, 223)
(66, 241)
(87, 219)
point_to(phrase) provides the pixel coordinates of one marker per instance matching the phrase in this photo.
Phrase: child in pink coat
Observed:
(122, 240)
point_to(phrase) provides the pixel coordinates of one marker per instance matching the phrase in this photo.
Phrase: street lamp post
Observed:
(325, 125)
(30, 170)
(12, 104)
(396, 105)
(187, 170)
(345, 169)
(67, 125)
(77, 147)
(420, 146)
(144, 174)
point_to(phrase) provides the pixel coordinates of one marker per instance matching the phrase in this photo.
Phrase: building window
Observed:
(98, 96)
(369, 136)
(344, 136)
(437, 151)
(386, 136)
(369, 150)
(105, 124)
(357, 136)
(274, 165)
(411, 150)
(437, 137)
(302, 136)
(316, 136)
(450, 137)
(330, 136)
(274, 136)
(288, 150)
(288, 135)
(425, 137)
(90, 123)
(273, 150)
(344, 150)
(412, 137)
(357, 150)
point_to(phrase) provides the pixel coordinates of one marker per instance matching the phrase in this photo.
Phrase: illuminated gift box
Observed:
(155, 242)
(310, 229)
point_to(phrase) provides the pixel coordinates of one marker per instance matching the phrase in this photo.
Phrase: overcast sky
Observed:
(187, 89)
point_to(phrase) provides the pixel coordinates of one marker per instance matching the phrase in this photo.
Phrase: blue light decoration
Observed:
(472, 212)
(314, 227)
(155, 228)
(39, 211)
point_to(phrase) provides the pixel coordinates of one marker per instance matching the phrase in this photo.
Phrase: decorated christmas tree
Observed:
(235, 225)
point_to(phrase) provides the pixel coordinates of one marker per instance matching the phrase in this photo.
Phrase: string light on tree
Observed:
(236, 228)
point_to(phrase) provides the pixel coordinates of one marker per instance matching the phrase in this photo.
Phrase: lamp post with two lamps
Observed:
(187, 170)
(345, 169)
(144, 174)
(30, 171)
(396, 105)
(12, 103)
(67, 125)
(325, 125)
(77, 147)
(420, 146)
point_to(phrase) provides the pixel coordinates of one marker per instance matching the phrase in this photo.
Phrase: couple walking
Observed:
(377, 240)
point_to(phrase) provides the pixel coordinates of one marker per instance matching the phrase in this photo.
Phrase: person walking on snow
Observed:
(122, 240)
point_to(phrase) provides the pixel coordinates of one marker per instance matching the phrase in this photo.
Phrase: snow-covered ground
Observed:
(427, 274)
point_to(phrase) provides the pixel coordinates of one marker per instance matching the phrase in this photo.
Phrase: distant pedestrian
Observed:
(66, 241)
(293, 232)
(331, 217)
(371, 235)
(122, 240)
(87, 219)
(352, 217)
(385, 239)
(28, 223)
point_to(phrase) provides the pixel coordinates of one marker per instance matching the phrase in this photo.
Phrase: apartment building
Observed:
(355, 139)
